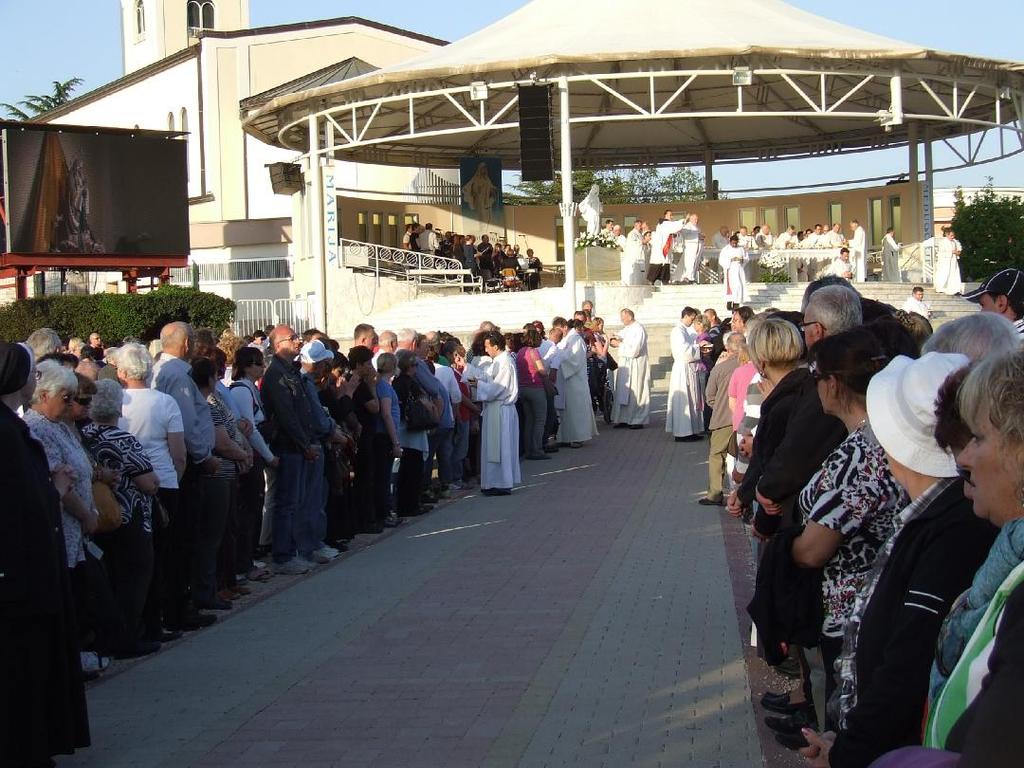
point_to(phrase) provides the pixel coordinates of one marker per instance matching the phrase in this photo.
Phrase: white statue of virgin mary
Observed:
(590, 209)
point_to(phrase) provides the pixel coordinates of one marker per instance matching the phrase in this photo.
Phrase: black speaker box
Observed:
(536, 156)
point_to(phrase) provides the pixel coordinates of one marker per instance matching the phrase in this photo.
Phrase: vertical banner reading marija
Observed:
(330, 215)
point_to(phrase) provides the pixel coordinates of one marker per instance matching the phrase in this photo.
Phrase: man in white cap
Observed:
(925, 565)
(1002, 294)
(315, 360)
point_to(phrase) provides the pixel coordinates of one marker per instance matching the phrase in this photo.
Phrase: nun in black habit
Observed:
(42, 697)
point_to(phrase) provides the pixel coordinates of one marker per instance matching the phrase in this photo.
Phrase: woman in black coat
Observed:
(42, 698)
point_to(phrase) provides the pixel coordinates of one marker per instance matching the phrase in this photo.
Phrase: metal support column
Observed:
(316, 218)
(928, 192)
(567, 206)
(709, 175)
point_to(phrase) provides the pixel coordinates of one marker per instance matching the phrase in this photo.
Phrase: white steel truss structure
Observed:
(802, 86)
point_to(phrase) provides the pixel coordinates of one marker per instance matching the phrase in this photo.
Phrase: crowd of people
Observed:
(496, 265)
(878, 465)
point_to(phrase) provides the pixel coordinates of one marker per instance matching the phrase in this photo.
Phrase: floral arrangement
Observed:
(600, 240)
(774, 267)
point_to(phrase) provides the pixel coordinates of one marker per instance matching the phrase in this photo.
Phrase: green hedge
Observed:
(115, 315)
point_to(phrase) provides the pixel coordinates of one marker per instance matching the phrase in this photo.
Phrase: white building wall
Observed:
(147, 104)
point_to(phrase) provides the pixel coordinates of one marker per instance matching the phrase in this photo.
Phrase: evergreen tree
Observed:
(35, 105)
(991, 230)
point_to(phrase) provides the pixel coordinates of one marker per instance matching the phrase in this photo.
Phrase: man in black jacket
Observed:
(293, 441)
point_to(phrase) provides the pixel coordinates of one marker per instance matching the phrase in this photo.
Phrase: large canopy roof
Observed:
(674, 95)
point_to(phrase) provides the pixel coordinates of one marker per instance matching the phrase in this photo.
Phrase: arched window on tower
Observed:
(140, 18)
(202, 14)
(170, 121)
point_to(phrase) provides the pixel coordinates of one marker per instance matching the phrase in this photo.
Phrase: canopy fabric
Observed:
(551, 38)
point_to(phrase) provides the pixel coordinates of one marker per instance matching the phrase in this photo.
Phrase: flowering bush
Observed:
(774, 267)
(600, 240)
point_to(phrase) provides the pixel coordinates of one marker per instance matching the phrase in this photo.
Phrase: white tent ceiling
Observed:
(818, 87)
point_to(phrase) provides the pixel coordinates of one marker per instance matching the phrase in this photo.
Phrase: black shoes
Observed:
(706, 502)
(621, 425)
(496, 491)
(690, 439)
(636, 426)
(792, 741)
(792, 724)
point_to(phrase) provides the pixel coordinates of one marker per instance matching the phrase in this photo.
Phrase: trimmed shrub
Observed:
(115, 315)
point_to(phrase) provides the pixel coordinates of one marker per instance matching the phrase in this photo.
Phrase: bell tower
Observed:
(152, 30)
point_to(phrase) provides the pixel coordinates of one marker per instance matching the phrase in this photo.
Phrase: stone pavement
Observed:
(586, 620)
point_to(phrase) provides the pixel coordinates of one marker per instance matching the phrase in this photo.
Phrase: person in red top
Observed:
(531, 372)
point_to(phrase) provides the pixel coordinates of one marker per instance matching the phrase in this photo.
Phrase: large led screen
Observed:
(94, 192)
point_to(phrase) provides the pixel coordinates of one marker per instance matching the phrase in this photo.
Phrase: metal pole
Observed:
(928, 191)
(316, 217)
(568, 207)
(912, 151)
(709, 175)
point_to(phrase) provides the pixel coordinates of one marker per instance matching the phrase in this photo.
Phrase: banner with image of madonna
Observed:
(483, 211)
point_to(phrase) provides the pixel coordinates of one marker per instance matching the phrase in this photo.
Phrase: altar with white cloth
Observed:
(803, 264)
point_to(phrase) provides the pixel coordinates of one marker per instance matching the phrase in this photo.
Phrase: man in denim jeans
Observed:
(295, 444)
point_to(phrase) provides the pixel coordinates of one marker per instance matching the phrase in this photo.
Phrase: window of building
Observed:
(628, 222)
(770, 216)
(184, 129)
(201, 14)
(392, 231)
(363, 226)
(581, 226)
(377, 221)
(896, 218)
(793, 216)
(170, 121)
(411, 218)
(748, 218)
(140, 19)
(835, 214)
(875, 222)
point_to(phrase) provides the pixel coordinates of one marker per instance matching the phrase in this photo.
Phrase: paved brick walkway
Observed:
(586, 620)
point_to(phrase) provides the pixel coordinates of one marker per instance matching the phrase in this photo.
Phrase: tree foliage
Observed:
(35, 105)
(634, 186)
(115, 315)
(991, 230)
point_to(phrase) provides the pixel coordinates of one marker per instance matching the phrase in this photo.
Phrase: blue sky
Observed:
(46, 40)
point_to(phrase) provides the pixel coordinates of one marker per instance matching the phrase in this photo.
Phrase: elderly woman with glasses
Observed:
(47, 419)
(128, 550)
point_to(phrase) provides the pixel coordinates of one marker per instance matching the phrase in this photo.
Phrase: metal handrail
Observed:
(383, 260)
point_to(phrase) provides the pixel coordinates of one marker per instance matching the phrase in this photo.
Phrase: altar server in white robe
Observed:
(632, 405)
(498, 390)
(633, 255)
(577, 424)
(685, 419)
(858, 251)
(946, 272)
(732, 260)
(689, 234)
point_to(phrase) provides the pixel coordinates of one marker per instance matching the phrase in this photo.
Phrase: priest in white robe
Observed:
(946, 272)
(732, 259)
(689, 261)
(685, 419)
(632, 404)
(858, 251)
(633, 255)
(498, 390)
(577, 424)
(890, 257)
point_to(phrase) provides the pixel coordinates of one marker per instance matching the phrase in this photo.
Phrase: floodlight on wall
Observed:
(742, 76)
(478, 90)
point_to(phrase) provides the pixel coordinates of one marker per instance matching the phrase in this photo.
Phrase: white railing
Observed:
(400, 263)
(238, 271)
(257, 314)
